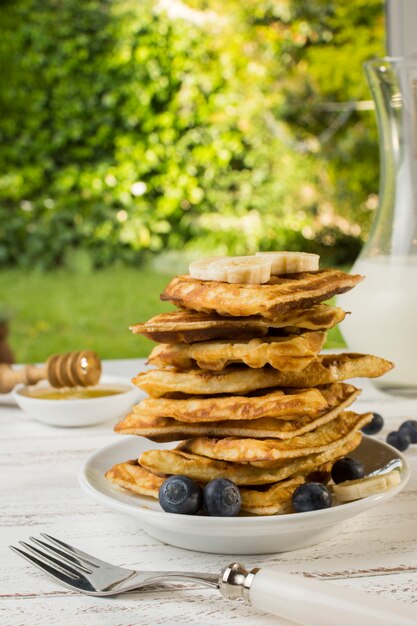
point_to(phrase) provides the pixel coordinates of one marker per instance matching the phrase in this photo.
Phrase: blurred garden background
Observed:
(138, 135)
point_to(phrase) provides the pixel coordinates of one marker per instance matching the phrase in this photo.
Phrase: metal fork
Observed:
(78, 570)
(322, 604)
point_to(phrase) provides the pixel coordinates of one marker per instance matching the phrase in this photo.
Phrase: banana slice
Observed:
(356, 489)
(201, 269)
(244, 269)
(233, 269)
(291, 262)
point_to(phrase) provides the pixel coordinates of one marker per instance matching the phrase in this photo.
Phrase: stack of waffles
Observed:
(240, 383)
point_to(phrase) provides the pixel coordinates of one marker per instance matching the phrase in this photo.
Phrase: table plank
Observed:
(40, 493)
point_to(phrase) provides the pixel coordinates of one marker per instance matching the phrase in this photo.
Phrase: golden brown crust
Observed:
(273, 404)
(274, 500)
(163, 429)
(266, 452)
(279, 296)
(323, 370)
(191, 326)
(203, 469)
(293, 352)
(130, 475)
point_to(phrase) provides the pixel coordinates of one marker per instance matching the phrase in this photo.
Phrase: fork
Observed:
(301, 599)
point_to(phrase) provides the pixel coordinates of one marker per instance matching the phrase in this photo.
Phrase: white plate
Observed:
(81, 412)
(236, 535)
(7, 399)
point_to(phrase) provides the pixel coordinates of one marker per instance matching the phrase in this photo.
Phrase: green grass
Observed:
(61, 311)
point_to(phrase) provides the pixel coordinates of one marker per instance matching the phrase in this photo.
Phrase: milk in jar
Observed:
(383, 318)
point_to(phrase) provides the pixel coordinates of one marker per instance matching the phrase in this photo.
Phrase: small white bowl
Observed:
(80, 412)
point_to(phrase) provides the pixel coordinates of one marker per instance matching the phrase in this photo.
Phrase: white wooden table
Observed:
(40, 493)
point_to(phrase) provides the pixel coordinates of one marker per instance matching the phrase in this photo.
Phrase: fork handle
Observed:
(313, 602)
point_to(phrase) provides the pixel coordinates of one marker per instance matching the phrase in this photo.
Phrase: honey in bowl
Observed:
(73, 393)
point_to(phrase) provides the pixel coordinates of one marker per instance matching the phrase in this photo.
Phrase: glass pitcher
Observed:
(384, 305)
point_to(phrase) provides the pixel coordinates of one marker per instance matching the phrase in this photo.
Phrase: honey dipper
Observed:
(71, 369)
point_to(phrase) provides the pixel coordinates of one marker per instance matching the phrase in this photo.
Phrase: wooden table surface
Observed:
(40, 493)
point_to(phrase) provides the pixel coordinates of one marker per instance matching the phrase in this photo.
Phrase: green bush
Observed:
(126, 132)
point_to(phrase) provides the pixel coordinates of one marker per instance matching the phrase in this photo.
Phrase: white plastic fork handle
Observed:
(317, 603)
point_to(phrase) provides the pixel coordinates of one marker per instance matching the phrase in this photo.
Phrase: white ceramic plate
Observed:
(236, 535)
(7, 399)
(86, 412)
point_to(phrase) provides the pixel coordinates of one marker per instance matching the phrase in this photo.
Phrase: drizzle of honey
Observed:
(76, 393)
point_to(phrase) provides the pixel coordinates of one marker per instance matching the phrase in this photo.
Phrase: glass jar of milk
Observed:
(384, 305)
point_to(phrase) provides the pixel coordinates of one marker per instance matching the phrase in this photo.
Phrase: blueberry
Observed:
(311, 497)
(180, 494)
(347, 469)
(410, 428)
(398, 440)
(374, 426)
(221, 497)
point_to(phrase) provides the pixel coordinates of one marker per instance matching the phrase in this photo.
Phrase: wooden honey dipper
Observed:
(72, 369)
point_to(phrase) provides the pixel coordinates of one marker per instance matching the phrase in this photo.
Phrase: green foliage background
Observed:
(126, 131)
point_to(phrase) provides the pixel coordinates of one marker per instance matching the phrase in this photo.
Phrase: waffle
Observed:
(241, 385)
(293, 352)
(163, 429)
(268, 500)
(190, 326)
(204, 469)
(322, 371)
(275, 403)
(269, 452)
(131, 476)
(272, 500)
(279, 296)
